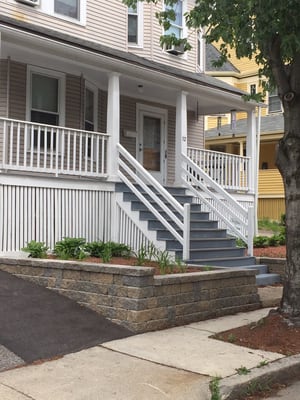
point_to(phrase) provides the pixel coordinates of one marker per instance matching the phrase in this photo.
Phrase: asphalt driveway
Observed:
(37, 323)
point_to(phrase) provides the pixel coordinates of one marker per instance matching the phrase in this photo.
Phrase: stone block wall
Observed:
(275, 265)
(135, 298)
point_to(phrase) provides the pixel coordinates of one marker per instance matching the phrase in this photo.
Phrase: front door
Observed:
(151, 151)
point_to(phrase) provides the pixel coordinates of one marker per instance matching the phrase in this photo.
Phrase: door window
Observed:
(152, 143)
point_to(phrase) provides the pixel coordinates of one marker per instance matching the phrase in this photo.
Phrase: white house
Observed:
(91, 104)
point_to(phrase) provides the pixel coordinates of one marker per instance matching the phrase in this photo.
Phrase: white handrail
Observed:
(236, 217)
(132, 172)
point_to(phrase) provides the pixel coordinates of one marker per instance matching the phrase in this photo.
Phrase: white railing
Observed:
(228, 170)
(237, 219)
(33, 147)
(132, 174)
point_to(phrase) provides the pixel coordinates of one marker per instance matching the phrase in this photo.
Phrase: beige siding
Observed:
(271, 208)
(151, 47)
(195, 131)
(3, 88)
(17, 91)
(106, 21)
(74, 101)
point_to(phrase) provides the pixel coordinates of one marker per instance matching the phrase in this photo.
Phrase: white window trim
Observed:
(276, 111)
(201, 56)
(47, 7)
(61, 90)
(140, 24)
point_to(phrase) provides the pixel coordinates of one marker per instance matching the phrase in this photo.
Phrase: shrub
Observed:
(70, 248)
(95, 249)
(260, 241)
(36, 249)
(119, 249)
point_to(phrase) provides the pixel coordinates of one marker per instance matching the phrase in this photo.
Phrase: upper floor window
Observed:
(274, 102)
(177, 25)
(253, 89)
(200, 52)
(135, 25)
(68, 8)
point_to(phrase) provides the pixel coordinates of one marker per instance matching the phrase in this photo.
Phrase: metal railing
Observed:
(41, 148)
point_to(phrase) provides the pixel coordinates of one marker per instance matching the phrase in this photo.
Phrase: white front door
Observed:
(151, 143)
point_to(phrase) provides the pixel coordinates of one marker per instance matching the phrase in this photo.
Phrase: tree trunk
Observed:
(288, 162)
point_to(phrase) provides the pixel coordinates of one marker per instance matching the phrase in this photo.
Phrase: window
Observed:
(176, 27)
(200, 52)
(135, 25)
(274, 102)
(69, 8)
(45, 93)
(253, 89)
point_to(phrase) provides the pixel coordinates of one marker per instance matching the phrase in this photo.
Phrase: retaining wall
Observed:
(275, 265)
(135, 298)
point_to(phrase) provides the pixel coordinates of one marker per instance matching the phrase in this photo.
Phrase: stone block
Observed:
(116, 290)
(70, 274)
(147, 315)
(140, 293)
(105, 279)
(138, 281)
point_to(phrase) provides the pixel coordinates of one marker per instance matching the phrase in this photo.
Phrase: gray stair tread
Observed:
(267, 279)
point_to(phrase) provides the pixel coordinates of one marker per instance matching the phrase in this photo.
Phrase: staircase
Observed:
(209, 245)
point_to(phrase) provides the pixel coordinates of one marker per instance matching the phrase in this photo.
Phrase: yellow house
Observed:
(227, 132)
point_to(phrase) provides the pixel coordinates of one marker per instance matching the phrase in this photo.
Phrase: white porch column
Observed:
(113, 124)
(251, 149)
(180, 133)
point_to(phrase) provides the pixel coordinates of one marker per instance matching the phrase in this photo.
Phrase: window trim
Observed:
(183, 27)
(201, 53)
(47, 7)
(140, 25)
(274, 93)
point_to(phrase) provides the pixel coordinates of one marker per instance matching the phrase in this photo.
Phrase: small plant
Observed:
(36, 249)
(164, 262)
(255, 387)
(95, 249)
(151, 251)
(70, 248)
(231, 338)
(214, 387)
(141, 255)
(260, 241)
(243, 370)
(240, 243)
(262, 364)
(119, 249)
(107, 253)
(180, 265)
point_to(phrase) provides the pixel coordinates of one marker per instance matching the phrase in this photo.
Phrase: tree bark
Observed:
(288, 162)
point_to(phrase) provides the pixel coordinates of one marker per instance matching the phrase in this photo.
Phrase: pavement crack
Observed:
(156, 388)
(17, 391)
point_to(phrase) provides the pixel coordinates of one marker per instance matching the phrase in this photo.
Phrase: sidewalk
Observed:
(175, 364)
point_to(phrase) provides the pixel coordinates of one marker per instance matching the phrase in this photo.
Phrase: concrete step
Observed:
(267, 279)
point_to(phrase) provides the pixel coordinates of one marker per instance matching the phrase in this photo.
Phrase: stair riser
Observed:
(195, 217)
(214, 234)
(213, 253)
(129, 196)
(198, 244)
(138, 206)
(154, 224)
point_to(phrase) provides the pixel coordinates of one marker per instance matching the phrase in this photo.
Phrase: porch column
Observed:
(113, 124)
(180, 133)
(251, 149)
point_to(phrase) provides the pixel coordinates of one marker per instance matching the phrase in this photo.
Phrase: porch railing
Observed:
(237, 219)
(40, 148)
(228, 170)
(156, 198)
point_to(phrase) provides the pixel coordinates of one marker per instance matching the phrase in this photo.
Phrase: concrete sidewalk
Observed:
(175, 364)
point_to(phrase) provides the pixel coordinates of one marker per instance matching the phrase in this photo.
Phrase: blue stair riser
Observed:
(202, 244)
(154, 224)
(213, 253)
(260, 268)
(136, 205)
(229, 262)
(194, 234)
(129, 196)
(199, 216)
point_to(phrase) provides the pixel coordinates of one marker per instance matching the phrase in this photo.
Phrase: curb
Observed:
(279, 371)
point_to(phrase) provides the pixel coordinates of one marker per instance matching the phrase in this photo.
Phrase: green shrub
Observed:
(260, 241)
(36, 249)
(119, 249)
(70, 248)
(95, 249)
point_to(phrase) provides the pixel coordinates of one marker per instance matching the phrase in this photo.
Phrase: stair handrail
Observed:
(200, 179)
(138, 174)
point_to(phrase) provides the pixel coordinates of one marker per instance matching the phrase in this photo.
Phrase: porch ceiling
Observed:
(144, 80)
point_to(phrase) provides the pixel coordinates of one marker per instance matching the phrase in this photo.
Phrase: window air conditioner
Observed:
(175, 49)
(29, 2)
